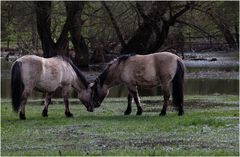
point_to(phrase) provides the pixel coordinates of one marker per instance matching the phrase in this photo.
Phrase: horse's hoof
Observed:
(68, 114)
(162, 114)
(139, 112)
(45, 113)
(180, 113)
(22, 116)
(127, 112)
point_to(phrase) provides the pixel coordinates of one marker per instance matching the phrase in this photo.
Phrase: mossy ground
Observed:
(210, 126)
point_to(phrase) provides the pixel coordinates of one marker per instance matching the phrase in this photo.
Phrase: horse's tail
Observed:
(17, 85)
(177, 87)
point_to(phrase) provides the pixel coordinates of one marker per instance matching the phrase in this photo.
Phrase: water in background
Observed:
(203, 78)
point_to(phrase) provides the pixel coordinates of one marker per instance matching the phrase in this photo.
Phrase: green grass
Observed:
(210, 126)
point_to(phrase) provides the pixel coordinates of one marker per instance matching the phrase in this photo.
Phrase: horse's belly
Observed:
(49, 86)
(148, 83)
(147, 78)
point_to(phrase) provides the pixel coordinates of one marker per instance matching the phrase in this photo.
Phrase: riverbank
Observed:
(210, 126)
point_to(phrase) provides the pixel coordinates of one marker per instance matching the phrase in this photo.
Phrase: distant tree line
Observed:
(73, 28)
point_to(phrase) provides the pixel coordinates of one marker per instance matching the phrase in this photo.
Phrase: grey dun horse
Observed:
(159, 69)
(46, 75)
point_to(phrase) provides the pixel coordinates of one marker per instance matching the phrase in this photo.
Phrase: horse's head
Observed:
(85, 96)
(99, 92)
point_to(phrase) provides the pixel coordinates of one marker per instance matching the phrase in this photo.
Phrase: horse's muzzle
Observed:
(97, 104)
(90, 109)
(88, 106)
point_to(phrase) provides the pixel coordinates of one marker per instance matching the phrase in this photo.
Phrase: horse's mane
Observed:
(123, 58)
(102, 77)
(77, 71)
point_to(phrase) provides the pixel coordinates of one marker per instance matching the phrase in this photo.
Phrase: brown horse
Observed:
(147, 71)
(46, 75)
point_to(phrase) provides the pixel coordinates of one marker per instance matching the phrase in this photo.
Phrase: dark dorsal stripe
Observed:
(102, 77)
(123, 58)
(77, 71)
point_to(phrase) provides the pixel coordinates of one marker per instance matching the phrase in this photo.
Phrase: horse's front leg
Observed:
(66, 102)
(46, 104)
(135, 96)
(129, 107)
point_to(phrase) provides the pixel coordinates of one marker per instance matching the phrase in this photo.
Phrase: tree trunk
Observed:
(152, 33)
(227, 35)
(138, 43)
(72, 24)
(43, 13)
(74, 10)
(34, 31)
(161, 36)
(34, 36)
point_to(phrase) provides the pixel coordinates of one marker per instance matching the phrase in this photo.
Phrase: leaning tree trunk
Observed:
(75, 9)
(227, 35)
(152, 33)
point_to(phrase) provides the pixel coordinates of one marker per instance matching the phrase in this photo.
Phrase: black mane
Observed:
(102, 77)
(124, 58)
(77, 71)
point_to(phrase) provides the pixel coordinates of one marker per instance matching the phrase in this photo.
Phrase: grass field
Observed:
(210, 126)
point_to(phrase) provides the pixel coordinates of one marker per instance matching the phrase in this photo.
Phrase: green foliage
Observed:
(201, 131)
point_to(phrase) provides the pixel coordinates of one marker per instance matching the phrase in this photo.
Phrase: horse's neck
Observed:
(77, 84)
(79, 81)
(113, 78)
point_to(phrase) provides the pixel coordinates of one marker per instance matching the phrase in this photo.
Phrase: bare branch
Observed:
(196, 28)
(114, 23)
(140, 10)
(181, 12)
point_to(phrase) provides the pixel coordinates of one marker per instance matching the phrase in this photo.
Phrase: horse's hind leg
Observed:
(46, 104)
(166, 96)
(24, 98)
(66, 102)
(129, 107)
(135, 96)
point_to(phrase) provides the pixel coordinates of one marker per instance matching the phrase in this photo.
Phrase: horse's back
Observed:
(45, 74)
(56, 72)
(167, 56)
(155, 58)
(150, 70)
(166, 63)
